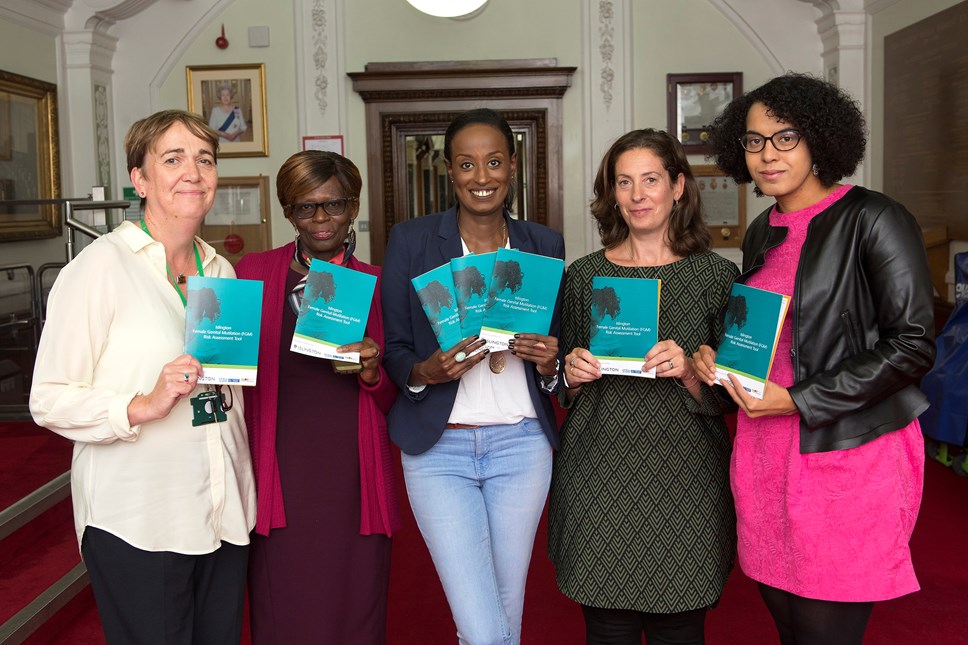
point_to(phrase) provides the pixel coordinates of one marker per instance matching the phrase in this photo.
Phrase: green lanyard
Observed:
(174, 283)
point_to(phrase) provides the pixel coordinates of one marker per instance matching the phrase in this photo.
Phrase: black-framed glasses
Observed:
(784, 140)
(332, 207)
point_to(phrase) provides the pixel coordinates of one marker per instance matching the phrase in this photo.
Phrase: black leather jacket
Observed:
(863, 319)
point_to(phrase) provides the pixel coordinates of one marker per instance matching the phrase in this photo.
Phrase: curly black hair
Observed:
(828, 118)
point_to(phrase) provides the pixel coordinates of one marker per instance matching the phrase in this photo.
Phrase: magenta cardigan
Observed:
(378, 500)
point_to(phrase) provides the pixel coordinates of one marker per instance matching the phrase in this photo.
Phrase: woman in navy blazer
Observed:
(476, 428)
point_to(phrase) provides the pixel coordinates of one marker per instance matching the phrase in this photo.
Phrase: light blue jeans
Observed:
(477, 496)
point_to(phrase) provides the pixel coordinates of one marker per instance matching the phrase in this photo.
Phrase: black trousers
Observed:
(805, 621)
(625, 627)
(165, 598)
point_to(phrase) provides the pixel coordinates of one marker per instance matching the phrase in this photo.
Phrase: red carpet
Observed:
(419, 613)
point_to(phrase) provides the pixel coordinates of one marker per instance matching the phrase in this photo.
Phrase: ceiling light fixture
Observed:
(449, 8)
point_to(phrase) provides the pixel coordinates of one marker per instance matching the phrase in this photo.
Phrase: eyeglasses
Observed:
(784, 141)
(332, 207)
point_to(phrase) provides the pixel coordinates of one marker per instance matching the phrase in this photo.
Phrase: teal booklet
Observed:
(333, 312)
(624, 323)
(222, 319)
(521, 297)
(753, 321)
(472, 277)
(435, 289)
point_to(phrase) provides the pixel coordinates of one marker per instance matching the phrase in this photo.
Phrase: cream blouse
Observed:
(113, 321)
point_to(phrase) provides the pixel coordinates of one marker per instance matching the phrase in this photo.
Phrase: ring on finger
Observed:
(460, 357)
(186, 377)
(671, 364)
(572, 362)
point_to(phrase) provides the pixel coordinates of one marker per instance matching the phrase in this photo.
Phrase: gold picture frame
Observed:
(232, 98)
(29, 159)
(238, 222)
(724, 205)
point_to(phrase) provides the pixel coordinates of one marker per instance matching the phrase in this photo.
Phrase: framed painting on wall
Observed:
(694, 101)
(239, 220)
(29, 159)
(724, 205)
(324, 142)
(232, 98)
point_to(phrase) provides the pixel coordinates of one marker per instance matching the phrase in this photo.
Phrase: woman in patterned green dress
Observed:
(642, 530)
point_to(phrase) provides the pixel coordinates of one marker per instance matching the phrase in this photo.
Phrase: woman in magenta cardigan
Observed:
(320, 562)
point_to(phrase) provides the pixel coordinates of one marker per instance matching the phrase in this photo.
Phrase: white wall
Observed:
(280, 60)
(761, 38)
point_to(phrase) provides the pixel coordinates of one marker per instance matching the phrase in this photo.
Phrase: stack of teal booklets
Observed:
(624, 323)
(334, 310)
(754, 318)
(491, 295)
(222, 323)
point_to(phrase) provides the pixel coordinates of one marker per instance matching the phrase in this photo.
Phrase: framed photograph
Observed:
(694, 100)
(724, 205)
(330, 142)
(239, 220)
(29, 159)
(232, 98)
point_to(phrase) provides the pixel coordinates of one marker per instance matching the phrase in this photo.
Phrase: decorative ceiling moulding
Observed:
(455, 9)
(114, 10)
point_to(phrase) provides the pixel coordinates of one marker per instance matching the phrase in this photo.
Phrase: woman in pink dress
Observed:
(827, 468)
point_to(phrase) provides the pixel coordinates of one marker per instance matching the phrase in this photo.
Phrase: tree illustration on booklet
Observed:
(509, 277)
(605, 302)
(736, 311)
(435, 297)
(468, 281)
(201, 304)
(320, 284)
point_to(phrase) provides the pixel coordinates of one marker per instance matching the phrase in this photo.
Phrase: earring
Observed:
(816, 170)
(142, 195)
(349, 244)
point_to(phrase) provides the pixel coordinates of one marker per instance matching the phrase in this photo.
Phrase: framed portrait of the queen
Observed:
(232, 98)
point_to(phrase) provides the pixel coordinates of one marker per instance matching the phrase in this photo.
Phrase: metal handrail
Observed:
(29, 619)
(72, 224)
(34, 504)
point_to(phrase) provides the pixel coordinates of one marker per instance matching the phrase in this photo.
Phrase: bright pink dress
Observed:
(831, 525)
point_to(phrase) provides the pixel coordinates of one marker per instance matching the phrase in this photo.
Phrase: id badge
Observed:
(207, 408)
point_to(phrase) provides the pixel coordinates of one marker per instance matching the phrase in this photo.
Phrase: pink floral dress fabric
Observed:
(831, 525)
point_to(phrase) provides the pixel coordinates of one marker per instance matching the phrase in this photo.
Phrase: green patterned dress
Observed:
(641, 515)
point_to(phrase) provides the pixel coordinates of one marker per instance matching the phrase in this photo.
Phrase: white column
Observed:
(843, 33)
(607, 89)
(320, 68)
(86, 99)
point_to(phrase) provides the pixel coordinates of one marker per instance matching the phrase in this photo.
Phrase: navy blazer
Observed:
(416, 246)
